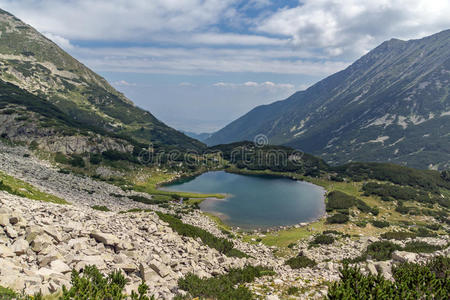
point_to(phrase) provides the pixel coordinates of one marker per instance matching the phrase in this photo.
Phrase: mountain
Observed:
(392, 104)
(198, 136)
(38, 66)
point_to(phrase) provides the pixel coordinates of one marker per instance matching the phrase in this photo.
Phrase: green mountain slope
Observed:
(390, 105)
(35, 64)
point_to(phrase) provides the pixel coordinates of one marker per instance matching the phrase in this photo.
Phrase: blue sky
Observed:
(199, 64)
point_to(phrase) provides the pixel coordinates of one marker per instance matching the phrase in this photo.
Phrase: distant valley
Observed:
(391, 105)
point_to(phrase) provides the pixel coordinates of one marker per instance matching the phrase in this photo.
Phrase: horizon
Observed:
(199, 65)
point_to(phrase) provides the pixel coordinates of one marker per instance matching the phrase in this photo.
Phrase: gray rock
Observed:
(105, 238)
(11, 232)
(20, 246)
(148, 274)
(4, 220)
(372, 269)
(53, 232)
(6, 252)
(159, 268)
(59, 266)
(403, 256)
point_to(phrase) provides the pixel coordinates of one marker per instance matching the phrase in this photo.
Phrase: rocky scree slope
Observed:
(392, 104)
(37, 65)
(42, 242)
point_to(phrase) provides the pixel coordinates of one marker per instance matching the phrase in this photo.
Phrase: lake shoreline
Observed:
(253, 227)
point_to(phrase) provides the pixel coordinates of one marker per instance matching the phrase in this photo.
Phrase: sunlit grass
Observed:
(155, 179)
(20, 188)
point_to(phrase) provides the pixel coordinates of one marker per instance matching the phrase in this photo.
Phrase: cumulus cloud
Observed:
(117, 19)
(316, 37)
(202, 61)
(354, 27)
(124, 83)
(59, 40)
(253, 84)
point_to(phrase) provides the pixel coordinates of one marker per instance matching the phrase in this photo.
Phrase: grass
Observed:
(219, 223)
(386, 212)
(20, 188)
(283, 238)
(155, 179)
(100, 208)
(220, 244)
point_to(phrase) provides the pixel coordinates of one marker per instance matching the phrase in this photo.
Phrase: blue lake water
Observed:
(256, 201)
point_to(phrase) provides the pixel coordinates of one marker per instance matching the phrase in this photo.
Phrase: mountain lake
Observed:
(256, 201)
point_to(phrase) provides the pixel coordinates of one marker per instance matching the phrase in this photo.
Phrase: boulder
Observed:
(86, 260)
(403, 256)
(59, 266)
(47, 259)
(148, 274)
(53, 232)
(105, 238)
(384, 267)
(372, 269)
(4, 220)
(11, 232)
(32, 232)
(6, 252)
(20, 246)
(14, 220)
(40, 242)
(159, 268)
(126, 267)
(14, 282)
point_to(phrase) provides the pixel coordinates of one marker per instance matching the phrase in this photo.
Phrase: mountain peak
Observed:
(37, 65)
(392, 104)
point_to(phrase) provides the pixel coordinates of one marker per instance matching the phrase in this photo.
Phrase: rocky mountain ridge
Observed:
(392, 104)
(35, 64)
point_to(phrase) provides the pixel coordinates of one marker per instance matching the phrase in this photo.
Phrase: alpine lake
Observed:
(255, 201)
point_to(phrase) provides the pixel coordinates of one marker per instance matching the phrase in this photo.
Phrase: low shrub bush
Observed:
(423, 232)
(434, 226)
(338, 219)
(380, 224)
(77, 161)
(299, 262)
(220, 244)
(92, 284)
(420, 247)
(398, 235)
(322, 239)
(338, 200)
(222, 287)
(381, 250)
(412, 281)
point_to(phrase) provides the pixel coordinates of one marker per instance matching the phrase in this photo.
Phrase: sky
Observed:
(199, 64)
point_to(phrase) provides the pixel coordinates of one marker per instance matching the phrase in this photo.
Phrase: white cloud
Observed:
(202, 61)
(122, 20)
(59, 40)
(252, 84)
(124, 83)
(234, 39)
(185, 84)
(352, 26)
